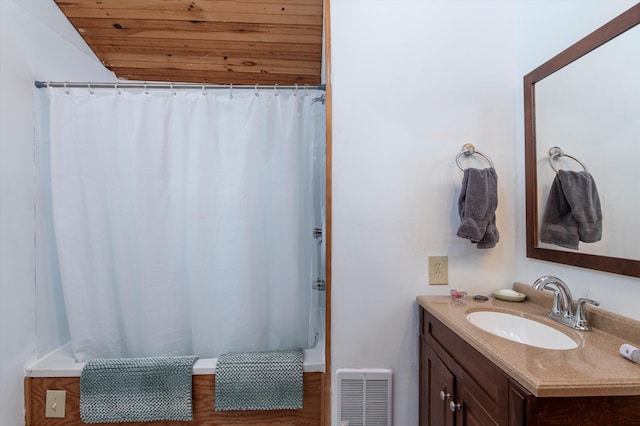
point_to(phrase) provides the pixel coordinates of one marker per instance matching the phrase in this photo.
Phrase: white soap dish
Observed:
(509, 295)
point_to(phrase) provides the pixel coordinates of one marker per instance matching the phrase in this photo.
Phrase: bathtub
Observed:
(61, 363)
(58, 370)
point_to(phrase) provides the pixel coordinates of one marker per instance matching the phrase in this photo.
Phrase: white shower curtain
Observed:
(183, 220)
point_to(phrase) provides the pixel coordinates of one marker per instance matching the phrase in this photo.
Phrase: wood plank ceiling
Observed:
(242, 42)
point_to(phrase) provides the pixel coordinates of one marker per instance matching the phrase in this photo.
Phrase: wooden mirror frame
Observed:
(612, 29)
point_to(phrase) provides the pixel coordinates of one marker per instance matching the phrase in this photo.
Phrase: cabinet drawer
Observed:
(486, 382)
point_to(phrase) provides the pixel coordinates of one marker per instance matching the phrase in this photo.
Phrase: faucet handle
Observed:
(581, 322)
(583, 300)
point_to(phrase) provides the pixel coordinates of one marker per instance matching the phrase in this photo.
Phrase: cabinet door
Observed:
(481, 378)
(468, 411)
(437, 390)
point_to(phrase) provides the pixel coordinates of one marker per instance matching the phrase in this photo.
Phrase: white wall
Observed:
(413, 81)
(36, 42)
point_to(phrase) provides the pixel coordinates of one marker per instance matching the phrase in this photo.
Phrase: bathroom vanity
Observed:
(469, 376)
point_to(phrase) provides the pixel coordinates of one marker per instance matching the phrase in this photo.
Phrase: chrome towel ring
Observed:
(556, 152)
(469, 149)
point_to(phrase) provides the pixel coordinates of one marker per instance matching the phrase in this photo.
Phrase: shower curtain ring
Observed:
(204, 91)
(231, 91)
(275, 89)
(66, 87)
(89, 87)
(255, 88)
(295, 90)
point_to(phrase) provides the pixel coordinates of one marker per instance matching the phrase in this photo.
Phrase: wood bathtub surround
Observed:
(241, 42)
(203, 408)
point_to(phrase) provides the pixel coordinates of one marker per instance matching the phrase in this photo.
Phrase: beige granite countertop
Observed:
(594, 368)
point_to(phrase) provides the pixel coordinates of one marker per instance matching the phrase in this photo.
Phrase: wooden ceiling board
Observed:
(200, 48)
(204, 41)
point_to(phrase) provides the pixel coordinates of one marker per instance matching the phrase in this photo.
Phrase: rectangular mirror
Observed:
(586, 100)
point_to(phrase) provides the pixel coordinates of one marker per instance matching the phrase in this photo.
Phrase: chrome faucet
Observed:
(562, 309)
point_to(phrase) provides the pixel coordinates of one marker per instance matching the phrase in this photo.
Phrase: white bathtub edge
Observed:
(60, 363)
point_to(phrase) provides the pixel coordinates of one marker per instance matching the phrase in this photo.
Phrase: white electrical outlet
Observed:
(55, 403)
(438, 270)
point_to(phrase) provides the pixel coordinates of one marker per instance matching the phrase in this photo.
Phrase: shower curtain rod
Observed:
(156, 85)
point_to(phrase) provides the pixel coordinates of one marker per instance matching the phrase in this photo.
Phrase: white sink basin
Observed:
(521, 330)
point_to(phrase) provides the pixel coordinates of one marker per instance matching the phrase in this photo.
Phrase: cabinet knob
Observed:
(453, 406)
(444, 395)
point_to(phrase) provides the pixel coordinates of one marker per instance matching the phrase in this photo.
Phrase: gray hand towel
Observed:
(477, 205)
(573, 212)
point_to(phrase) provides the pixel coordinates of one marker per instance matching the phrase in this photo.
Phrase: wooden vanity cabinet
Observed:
(458, 385)
(461, 387)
